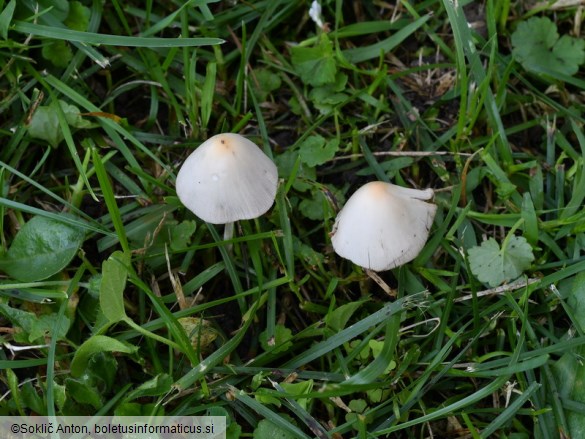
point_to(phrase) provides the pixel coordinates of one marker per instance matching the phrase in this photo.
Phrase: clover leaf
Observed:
(44, 124)
(536, 45)
(265, 82)
(280, 342)
(494, 265)
(315, 65)
(315, 150)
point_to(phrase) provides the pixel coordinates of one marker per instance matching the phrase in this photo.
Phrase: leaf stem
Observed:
(152, 335)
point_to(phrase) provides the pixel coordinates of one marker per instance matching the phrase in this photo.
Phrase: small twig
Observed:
(501, 289)
(463, 200)
(374, 276)
(435, 320)
(14, 349)
(403, 154)
(177, 287)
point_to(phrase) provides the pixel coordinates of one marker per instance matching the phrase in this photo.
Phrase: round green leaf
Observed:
(268, 429)
(281, 341)
(93, 345)
(493, 265)
(114, 275)
(40, 249)
(315, 150)
(536, 45)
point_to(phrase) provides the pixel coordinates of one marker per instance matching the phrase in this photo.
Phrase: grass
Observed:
(285, 338)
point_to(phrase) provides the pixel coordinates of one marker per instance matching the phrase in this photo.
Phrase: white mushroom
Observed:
(226, 179)
(383, 226)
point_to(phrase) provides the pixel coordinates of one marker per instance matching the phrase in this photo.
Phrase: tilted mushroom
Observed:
(383, 226)
(226, 179)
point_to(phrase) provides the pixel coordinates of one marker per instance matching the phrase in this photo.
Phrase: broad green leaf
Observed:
(377, 346)
(286, 163)
(326, 97)
(266, 396)
(58, 8)
(181, 235)
(493, 265)
(325, 101)
(280, 342)
(12, 382)
(44, 124)
(159, 385)
(234, 431)
(315, 65)
(73, 116)
(60, 392)
(536, 45)
(264, 82)
(306, 253)
(41, 248)
(58, 52)
(338, 318)
(297, 389)
(200, 332)
(102, 369)
(78, 17)
(357, 406)
(32, 398)
(364, 352)
(378, 395)
(93, 345)
(318, 206)
(113, 283)
(83, 392)
(569, 54)
(267, 429)
(34, 327)
(315, 150)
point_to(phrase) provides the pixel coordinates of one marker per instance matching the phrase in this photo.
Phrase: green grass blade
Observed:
(110, 200)
(371, 52)
(510, 411)
(110, 40)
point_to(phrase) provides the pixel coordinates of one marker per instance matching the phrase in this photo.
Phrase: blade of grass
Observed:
(466, 48)
(109, 40)
(66, 219)
(268, 414)
(218, 356)
(353, 331)
(109, 198)
(510, 411)
(373, 51)
(51, 356)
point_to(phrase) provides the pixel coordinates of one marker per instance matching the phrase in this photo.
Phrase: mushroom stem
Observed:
(228, 232)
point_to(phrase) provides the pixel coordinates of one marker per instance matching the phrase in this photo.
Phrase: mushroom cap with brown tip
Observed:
(383, 226)
(226, 179)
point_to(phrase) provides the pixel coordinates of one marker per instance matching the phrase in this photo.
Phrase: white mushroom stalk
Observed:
(226, 179)
(383, 226)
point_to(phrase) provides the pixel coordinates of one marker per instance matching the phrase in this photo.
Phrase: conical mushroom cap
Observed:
(226, 179)
(383, 226)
